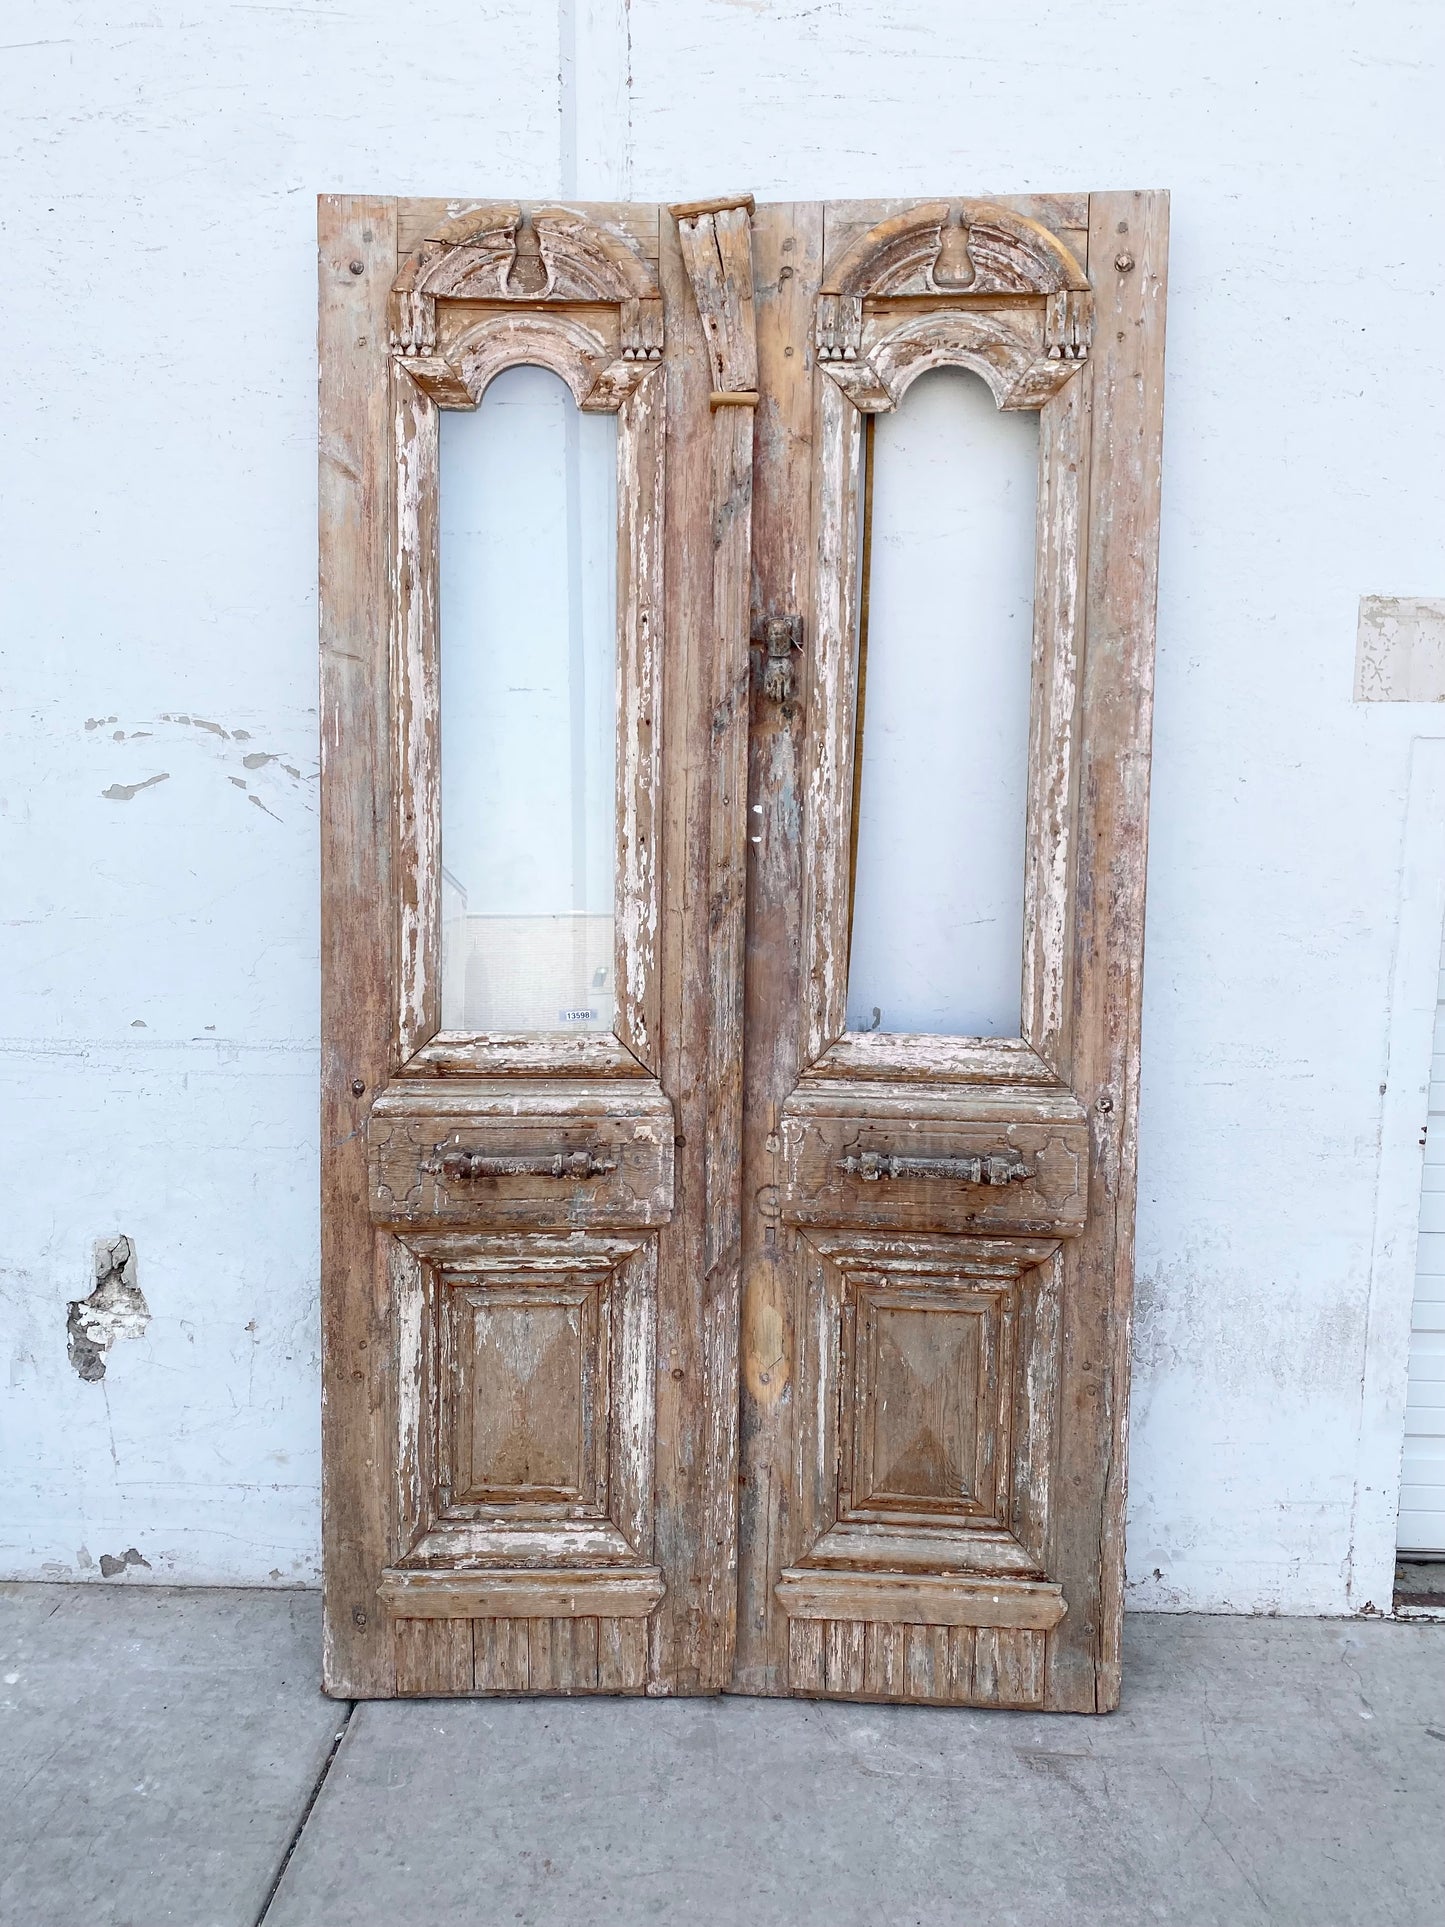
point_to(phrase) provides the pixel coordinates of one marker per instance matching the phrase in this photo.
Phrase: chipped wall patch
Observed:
(115, 1309)
(1400, 649)
(123, 792)
(112, 1563)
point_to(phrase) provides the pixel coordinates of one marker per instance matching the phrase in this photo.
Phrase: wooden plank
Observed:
(885, 1055)
(1008, 1667)
(1059, 589)
(805, 1655)
(541, 1667)
(918, 1664)
(433, 1656)
(828, 778)
(704, 759)
(415, 683)
(575, 1649)
(520, 1592)
(453, 1053)
(621, 1655)
(641, 510)
(688, 1631)
(843, 1652)
(500, 1655)
(1128, 244)
(916, 1599)
(358, 1415)
(787, 251)
(959, 1671)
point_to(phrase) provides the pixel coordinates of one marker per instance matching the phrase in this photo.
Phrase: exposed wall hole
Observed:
(113, 1562)
(115, 1309)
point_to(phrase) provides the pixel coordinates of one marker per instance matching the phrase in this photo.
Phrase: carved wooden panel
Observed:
(577, 1152)
(925, 1416)
(526, 1378)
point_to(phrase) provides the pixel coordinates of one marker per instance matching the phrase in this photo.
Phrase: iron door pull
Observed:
(992, 1167)
(461, 1167)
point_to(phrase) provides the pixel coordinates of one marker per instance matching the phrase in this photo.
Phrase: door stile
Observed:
(355, 481)
(1128, 254)
(695, 1530)
(904, 1591)
(788, 253)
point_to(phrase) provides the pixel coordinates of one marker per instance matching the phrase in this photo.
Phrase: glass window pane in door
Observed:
(937, 943)
(528, 620)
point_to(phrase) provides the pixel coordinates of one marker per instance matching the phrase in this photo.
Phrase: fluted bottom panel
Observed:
(936, 1665)
(441, 1656)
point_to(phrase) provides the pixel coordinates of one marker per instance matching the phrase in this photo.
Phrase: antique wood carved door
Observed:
(684, 1330)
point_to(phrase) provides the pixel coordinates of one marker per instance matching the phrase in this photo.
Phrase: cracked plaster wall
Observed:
(158, 167)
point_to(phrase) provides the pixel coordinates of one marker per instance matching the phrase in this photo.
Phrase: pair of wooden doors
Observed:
(725, 1348)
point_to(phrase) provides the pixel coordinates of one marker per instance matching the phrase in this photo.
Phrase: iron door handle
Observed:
(989, 1167)
(462, 1167)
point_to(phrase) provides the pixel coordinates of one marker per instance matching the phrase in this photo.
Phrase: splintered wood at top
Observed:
(690, 1633)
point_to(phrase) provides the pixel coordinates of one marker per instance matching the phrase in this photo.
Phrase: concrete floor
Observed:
(159, 1752)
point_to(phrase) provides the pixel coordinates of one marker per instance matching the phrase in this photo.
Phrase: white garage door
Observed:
(1422, 1485)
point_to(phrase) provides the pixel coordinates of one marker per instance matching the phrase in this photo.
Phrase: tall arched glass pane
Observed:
(937, 940)
(528, 619)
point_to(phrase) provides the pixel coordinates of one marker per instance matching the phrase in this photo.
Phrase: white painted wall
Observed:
(158, 167)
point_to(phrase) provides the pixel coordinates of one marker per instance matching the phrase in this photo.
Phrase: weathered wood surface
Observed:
(907, 1118)
(694, 1523)
(622, 1131)
(440, 1657)
(714, 492)
(930, 1665)
(929, 1500)
(523, 1593)
(357, 261)
(459, 1054)
(892, 1598)
(1030, 1143)
(787, 251)
(1128, 248)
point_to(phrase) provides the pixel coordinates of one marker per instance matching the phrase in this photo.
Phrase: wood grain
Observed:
(931, 1238)
(358, 1394)
(521, 1593)
(787, 250)
(1128, 246)
(433, 1657)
